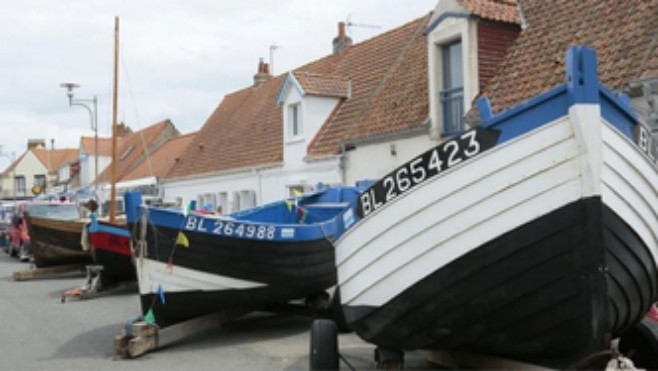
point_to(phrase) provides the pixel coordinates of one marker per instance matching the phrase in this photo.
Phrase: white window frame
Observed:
(290, 124)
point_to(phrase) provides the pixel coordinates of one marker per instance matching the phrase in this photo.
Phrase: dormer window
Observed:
(295, 128)
(452, 90)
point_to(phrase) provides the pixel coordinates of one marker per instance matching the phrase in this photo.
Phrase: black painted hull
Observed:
(56, 242)
(113, 252)
(550, 292)
(287, 271)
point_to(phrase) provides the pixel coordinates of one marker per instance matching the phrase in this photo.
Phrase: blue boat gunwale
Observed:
(581, 87)
(95, 227)
(328, 227)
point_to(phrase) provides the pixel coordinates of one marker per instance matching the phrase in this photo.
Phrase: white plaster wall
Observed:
(29, 166)
(87, 166)
(314, 112)
(373, 161)
(269, 184)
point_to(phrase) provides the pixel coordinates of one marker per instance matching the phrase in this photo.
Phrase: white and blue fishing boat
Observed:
(533, 237)
(193, 264)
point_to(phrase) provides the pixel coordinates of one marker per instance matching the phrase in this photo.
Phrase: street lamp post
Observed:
(93, 115)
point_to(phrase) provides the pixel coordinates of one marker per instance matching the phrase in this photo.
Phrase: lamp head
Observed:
(69, 86)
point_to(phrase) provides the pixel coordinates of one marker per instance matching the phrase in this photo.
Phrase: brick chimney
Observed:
(35, 143)
(123, 129)
(342, 41)
(263, 73)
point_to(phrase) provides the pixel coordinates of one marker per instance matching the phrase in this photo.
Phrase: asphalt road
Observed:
(38, 332)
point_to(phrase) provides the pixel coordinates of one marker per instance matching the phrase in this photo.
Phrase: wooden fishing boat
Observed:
(109, 239)
(193, 264)
(110, 249)
(532, 237)
(55, 231)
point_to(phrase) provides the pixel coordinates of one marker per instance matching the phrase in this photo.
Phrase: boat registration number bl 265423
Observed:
(425, 166)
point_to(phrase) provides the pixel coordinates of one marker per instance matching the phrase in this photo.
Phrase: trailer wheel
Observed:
(640, 344)
(324, 345)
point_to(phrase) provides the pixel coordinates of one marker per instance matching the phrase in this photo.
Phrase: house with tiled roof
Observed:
(287, 132)
(625, 38)
(147, 175)
(35, 171)
(354, 114)
(133, 149)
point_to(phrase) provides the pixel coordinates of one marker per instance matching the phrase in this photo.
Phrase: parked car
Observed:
(18, 236)
(6, 213)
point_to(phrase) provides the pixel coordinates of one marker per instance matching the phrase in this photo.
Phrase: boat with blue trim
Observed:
(194, 263)
(110, 248)
(533, 237)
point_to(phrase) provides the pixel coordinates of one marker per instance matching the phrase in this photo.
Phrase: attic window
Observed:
(452, 92)
(126, 153)
(295, 128)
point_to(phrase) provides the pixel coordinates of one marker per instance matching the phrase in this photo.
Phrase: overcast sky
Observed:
(177, 58)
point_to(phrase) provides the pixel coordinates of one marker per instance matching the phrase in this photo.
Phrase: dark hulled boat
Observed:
(110, 248)
(55, 231)
(263, 256)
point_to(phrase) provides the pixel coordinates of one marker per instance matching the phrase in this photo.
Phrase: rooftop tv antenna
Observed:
(273, 48)
(351, 24)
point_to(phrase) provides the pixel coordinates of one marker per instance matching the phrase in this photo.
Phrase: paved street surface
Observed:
(38, 332)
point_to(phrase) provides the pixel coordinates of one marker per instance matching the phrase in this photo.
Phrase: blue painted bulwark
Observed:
(582, 77)
(582, 87)
(484, 108)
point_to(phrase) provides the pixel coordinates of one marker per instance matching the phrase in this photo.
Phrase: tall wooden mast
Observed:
(113, 190)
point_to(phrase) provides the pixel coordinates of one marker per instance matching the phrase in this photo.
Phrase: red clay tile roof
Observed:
(52, 159)
(495, 10)
(87, 144)
(162, 159)
(13, 165)
(624, 37)
(388, 75)
(323, 85)
(131, 149)
(389, 87)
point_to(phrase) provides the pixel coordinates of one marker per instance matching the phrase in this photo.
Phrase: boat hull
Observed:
(539, 293)
(112, 251)
(542, 249)
(215, 273)
(56, 242)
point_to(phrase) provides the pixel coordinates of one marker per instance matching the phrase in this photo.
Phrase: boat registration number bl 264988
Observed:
(231, 228)
(425, 166)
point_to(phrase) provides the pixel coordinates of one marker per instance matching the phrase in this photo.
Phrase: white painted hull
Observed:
(502, 189)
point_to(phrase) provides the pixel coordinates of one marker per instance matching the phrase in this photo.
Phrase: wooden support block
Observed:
(47, 271)
(138, 346)
(143, 329)
(146, 337)
(121, 346)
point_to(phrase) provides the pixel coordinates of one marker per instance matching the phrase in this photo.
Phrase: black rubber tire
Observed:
(324, 345)
(640, 344)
